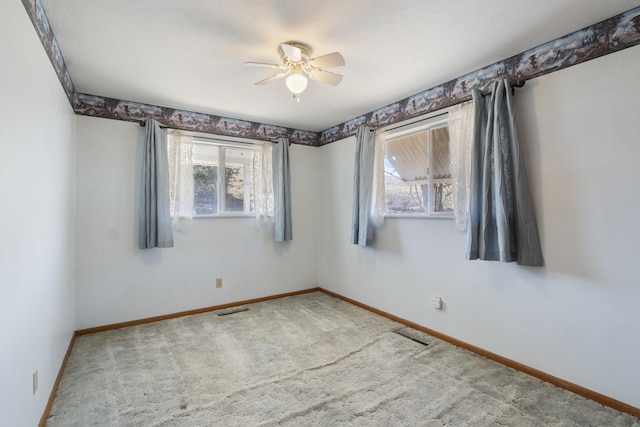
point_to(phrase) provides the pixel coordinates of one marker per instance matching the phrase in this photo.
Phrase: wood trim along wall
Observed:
(56, 383)
(54, 390)
(558, 382)
(189, 312)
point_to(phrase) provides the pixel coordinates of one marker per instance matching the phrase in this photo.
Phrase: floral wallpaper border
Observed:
(45, 33)
(611, 35)
(608, 36)
(98, 106)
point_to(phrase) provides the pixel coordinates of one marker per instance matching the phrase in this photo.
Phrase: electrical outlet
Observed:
(437, 303)
(219, 282)
(35, 381)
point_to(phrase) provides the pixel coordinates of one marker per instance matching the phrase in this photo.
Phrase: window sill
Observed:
(226, 215)
(417, 216)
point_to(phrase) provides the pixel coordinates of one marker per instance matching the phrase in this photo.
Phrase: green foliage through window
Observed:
(236, 186)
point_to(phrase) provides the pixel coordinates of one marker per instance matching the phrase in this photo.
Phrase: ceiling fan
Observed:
(297, 62)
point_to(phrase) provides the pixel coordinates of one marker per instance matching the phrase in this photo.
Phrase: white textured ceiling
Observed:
(190, 54)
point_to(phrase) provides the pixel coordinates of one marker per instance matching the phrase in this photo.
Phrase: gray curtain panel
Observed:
(283, 229)
(361, 227)
(502, 223)
(153, 210)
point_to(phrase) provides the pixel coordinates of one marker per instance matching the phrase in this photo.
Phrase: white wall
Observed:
(37, 249)
(577, 318)
(118, 282)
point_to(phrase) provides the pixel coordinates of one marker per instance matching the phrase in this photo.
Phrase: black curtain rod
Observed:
(142, 123)
(412, 123)
(517, 84)
(221, 138)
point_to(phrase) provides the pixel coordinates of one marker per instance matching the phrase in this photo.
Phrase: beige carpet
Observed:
(308, 360)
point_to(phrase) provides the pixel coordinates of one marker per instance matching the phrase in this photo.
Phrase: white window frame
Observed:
(432, 122)
(221, 143)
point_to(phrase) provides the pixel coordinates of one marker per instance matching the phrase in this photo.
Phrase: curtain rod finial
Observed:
(517, 83)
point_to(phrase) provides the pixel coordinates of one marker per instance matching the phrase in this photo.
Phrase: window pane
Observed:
(443, 197)
(205, 189)
(406, 171)
(443, 187)
(239, 196)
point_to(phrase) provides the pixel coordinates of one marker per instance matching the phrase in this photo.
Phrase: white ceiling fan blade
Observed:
(326, 77)
(262, 64)
(291, 52)
(327, 61)
(270, 79)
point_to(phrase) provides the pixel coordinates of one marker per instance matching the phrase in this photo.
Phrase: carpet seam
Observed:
(277, 379)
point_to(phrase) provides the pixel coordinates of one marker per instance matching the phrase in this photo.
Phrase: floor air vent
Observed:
(403, 334)
(232, 311)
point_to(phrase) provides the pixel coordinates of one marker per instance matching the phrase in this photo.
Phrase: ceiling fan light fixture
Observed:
(296, 83)
(296, 60)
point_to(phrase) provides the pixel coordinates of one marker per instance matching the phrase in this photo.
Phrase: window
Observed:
(417, 174)
(223, 181)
